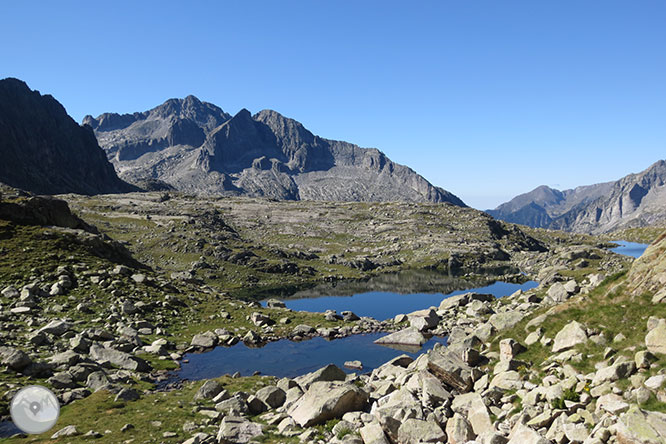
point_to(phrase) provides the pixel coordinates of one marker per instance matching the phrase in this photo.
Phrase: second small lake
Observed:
(287, 358)
(632, 249)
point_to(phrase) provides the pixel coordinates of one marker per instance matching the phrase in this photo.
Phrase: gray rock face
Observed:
(635, 200)
(195, 146)
(45, 151)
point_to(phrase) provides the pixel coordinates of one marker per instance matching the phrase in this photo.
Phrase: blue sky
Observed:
(487, 99)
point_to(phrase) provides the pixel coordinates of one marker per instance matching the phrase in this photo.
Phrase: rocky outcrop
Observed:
(633, 201)
(45, 211)
(197, 147)
(45, 151)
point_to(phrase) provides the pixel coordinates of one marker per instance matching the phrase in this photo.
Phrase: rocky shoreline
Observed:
(463, 393)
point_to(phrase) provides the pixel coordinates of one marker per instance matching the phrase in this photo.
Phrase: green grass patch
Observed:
(607, 310)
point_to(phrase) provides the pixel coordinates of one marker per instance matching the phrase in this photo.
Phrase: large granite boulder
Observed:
(655, 340)
(373, 434)
(272, 396)
(423, 319)
(408, 336)
(522, 434)
(506, 320)
(56, 327)
(206, 339)
(118, 358)
(471, 406)
(326, 400)
(14, 358)
(641, 427)
(237, 430)
(208, 390)
(417, 430)
(459, 430)
(329, 373)
(571, 335)
(450, 369)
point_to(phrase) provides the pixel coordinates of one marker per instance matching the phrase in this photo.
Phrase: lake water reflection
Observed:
(288, 358)
(385, 296)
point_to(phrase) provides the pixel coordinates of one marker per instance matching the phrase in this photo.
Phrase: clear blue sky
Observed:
(487, 99)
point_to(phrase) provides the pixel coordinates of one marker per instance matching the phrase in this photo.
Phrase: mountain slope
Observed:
(635, 200)
(195, 146)
(45, 151)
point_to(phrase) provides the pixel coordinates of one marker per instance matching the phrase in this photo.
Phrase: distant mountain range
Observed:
(195, 146)
(45, 151)
(635, 200)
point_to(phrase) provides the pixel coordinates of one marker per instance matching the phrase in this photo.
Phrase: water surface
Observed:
(386, 304)
(288, 358)
(632, 249)
(7, 429)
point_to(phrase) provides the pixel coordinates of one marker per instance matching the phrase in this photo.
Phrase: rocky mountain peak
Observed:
(635, 200)
(195, 146)
(190, 108)
(295, 141)
(45, 151)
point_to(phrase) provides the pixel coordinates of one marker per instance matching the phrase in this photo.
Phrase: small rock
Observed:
(127, 394)
(209, 390)
(66, 431)
(357, 365)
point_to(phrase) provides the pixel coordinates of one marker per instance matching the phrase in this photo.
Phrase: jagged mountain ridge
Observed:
(635, 200)
(44, 151)
(194, 146)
